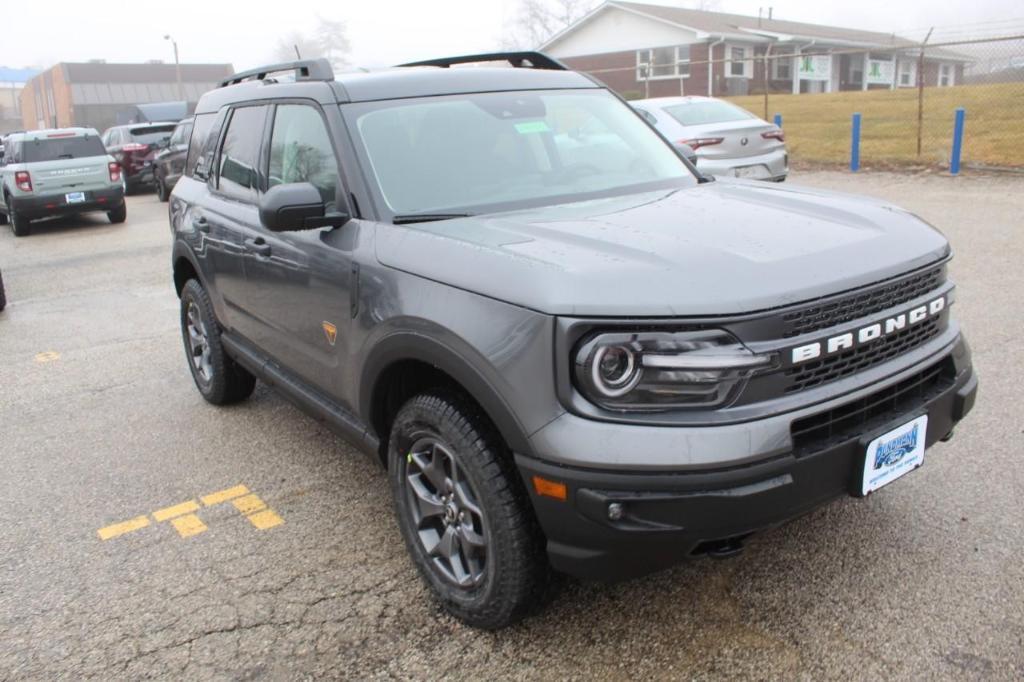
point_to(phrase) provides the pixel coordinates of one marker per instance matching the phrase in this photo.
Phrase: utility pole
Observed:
(177, 68)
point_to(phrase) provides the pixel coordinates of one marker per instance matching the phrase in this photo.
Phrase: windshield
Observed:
(707, 111)
(151, 134)
(52, 149)
(496, 151)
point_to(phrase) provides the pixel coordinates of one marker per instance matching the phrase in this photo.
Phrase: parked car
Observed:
(134, 147)
(728, 140)
(169, 161)
(596, 363)
(54, 172)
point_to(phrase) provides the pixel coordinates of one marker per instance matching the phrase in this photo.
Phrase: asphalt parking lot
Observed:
(303, 573)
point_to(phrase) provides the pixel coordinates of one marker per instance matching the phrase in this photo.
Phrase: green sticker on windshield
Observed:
(532, 127)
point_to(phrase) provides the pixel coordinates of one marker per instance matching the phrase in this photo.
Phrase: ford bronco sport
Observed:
(56, 172)
(568, 349)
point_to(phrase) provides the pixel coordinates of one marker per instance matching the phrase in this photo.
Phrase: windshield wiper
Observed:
(426, 217)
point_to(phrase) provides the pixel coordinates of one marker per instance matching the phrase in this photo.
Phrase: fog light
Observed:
(616, 511)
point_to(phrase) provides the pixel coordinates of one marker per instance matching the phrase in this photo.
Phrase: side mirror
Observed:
(297, 206)
(686, 151)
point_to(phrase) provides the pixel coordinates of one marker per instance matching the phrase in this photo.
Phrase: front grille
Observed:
(825, 429)
(862, 303)
(811, 374)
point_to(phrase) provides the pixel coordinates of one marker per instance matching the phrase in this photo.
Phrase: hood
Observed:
(724, 247)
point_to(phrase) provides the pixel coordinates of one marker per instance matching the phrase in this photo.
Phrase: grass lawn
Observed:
(818, 126)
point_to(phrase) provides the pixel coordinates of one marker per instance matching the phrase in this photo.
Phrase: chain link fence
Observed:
(907, 96)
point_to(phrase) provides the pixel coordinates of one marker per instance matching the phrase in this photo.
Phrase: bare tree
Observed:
(329, 39)
(537, 20)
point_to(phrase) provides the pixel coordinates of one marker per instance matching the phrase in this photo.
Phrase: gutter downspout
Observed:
(711, 65)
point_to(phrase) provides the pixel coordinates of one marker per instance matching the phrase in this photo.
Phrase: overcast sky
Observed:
(385, 32)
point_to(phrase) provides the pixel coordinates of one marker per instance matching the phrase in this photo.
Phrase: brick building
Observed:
(654, 50)
(93, 93)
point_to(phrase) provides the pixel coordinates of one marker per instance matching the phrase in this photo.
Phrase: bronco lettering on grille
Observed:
(872, 332)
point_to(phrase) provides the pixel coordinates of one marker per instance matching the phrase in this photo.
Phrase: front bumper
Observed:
(673, 515)
(35, 206)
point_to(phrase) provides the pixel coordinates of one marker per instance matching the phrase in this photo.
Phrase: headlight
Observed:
(665, 370)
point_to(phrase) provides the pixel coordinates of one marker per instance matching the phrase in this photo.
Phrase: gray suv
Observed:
(54, 172)
(571, 352)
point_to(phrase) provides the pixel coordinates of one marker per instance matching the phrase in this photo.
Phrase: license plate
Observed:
(755, 172)
(75, 197)
(894, 454)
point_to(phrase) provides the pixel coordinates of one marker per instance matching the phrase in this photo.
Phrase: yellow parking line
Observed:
(116, 529)
(249, 504)
(177, 510)
(224, 495)
(188, 525)
(47, 356)
(265, 519)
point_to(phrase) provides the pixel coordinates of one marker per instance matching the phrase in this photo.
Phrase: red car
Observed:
(134, 146)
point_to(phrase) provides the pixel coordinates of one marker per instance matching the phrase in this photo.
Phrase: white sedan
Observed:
(728, 140)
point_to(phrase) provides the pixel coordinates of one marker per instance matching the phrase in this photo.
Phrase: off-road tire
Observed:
(20, 225)
(516, 573)
(229, 382)
(119, 214)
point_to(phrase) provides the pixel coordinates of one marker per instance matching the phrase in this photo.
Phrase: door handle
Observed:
(258, 246)
(201, 224)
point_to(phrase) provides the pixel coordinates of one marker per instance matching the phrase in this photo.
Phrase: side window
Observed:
(197, 144)
(177, 137)
(239, 155)
(301, 150)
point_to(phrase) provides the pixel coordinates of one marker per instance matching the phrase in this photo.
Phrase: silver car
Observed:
(727, 139)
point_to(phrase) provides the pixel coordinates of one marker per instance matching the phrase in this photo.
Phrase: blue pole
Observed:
(855, 144)
(958, 141)
(778, 120)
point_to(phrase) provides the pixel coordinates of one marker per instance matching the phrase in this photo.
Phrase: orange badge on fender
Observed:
(331, 331)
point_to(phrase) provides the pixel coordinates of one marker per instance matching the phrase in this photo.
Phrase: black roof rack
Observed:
(536, 60)
(305, 70)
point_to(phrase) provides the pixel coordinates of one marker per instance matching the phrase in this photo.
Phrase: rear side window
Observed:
(707, 111)
(53, 149)
(301, 150)
(239, 155)
(151, 134)
(197, 142)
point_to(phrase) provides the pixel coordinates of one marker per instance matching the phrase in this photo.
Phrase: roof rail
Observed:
(305, 70)
(536, 60)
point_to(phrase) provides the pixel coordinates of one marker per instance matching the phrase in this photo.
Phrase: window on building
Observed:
(663, 62)
(237, 176)
(782, 67)
(301, 151)
(739, 64)
(945, 75)
(907, 73)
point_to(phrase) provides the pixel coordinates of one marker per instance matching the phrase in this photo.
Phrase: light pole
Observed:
(177, 67)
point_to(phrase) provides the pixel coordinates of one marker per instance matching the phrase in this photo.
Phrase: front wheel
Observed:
(3, 295)
(463, 512)
(220, 379)
(161, 190)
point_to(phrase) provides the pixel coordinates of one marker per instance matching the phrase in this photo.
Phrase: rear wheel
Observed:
(20, 224)
(463, 512)
(220, 379)
(119, 214)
